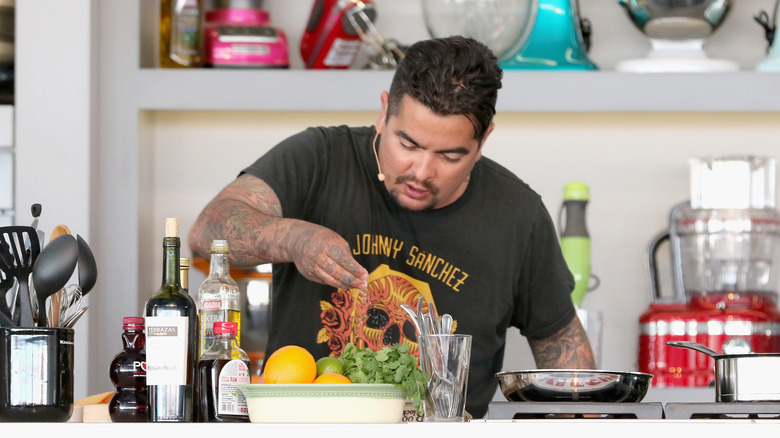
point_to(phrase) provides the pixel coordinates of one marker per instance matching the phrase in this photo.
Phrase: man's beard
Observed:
(433, 190)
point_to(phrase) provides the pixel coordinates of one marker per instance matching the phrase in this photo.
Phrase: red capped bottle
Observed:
(222, 367)
(128, 374)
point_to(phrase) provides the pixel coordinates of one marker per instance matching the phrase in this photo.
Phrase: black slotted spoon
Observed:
(23, 260)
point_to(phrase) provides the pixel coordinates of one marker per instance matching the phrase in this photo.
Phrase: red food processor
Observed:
(238, 33)
(725, 255)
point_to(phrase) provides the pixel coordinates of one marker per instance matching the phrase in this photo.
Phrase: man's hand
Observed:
(323, 256)
(568, 348)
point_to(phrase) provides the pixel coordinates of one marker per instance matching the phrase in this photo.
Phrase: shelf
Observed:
(523, 91)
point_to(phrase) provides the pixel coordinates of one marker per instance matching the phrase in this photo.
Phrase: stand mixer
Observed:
(502, 25)
(772, 61)
(725, 257)
(559, 40)
(677, 31)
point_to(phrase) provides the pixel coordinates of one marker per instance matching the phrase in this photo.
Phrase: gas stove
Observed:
(500, 410)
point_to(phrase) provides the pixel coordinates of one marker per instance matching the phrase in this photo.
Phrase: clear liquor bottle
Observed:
(171, 340)
(218, 296)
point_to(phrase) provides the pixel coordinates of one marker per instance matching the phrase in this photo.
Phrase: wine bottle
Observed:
(184, 274)
(171, 340)
(219, 299)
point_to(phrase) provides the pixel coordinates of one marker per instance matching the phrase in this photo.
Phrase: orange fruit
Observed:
(290, 364)
(332, 378)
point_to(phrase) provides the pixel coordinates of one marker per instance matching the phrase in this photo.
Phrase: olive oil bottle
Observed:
(180, 33)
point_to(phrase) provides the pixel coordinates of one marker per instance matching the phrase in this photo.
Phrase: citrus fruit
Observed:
(329, 364)
(290, 364)
(332, 378)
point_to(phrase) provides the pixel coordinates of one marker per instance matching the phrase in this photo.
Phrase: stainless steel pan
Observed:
(741, 377)
(562, 385)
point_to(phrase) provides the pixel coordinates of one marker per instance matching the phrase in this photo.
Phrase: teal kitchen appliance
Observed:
(772, 61)
(559, 40)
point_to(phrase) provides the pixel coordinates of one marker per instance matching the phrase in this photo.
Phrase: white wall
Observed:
(635, 165)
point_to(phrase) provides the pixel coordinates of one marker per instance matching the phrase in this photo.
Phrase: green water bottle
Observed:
(575, 240)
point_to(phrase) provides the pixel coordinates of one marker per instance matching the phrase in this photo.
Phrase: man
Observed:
(358, 221)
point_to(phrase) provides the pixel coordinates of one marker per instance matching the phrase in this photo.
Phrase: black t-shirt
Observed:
(491, 259)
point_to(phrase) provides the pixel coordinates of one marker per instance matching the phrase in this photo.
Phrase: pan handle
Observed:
(694, 346)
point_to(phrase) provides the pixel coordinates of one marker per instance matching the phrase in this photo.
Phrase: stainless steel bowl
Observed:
(502, 25)
(570, 385)
(677, 19)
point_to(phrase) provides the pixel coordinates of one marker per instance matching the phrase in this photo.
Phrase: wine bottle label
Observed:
(166, 350)
(231, 400)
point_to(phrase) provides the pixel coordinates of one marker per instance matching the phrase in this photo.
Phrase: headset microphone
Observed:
(380, 176)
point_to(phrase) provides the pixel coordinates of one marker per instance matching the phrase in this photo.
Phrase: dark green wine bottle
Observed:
(171, 341)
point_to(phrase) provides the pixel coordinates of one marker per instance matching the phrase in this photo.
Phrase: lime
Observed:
(329, 364)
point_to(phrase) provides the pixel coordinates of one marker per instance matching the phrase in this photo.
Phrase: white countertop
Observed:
(478, 428)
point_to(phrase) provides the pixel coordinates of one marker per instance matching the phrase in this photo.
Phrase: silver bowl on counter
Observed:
(574, 385)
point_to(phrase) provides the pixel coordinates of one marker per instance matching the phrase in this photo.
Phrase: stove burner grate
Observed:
(723, 410)
(573, 410)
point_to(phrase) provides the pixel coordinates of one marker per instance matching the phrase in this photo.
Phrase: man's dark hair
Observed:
(454, 75)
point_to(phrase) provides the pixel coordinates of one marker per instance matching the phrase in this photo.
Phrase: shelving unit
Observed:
(356, 90)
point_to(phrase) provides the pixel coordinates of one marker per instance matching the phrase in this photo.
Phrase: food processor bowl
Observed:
(677, 30)
(677, 20)
(502, 25)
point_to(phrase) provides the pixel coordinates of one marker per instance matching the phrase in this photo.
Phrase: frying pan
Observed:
(572, 385)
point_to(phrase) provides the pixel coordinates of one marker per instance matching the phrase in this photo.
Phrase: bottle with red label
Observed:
(218, 296)
(222, 367)
(128, 374)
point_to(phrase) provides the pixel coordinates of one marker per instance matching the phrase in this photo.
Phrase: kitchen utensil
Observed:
(324, 402)
(413, 317)
(6, 283)
(741, 377)
(502, 25)
(772, 61)
(53, 269)
(56, 300)
(558, 40)
(445, 324)
(330, 41)
(677, 32)
(70, 303)
(23, 261)
(73, 319)
(87, 266)
(573, 385)
(36, 209)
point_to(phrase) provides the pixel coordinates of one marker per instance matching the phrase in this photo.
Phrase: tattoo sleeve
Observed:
(568, 348)
(248, 214)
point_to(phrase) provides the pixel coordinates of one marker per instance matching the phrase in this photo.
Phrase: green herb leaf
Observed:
(391, 364)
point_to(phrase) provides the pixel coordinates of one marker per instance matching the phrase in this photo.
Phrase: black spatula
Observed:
(23, 259)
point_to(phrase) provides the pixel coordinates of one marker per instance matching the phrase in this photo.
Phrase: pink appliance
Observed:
(243, 37)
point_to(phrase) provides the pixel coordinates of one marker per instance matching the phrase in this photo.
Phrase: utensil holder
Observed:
(36, 384)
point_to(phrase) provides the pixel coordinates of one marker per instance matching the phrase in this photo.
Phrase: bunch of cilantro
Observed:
(391, 364)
